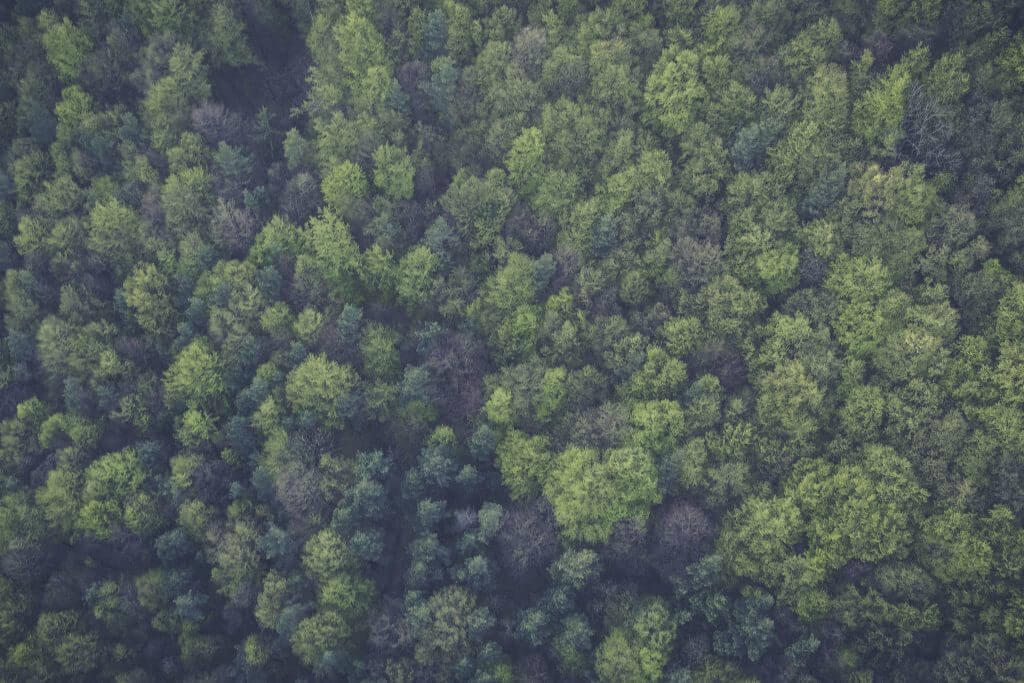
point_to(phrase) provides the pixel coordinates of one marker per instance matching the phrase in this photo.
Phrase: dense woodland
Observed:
(501, 340)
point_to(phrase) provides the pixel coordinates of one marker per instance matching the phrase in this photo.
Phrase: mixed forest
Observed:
(512, 340)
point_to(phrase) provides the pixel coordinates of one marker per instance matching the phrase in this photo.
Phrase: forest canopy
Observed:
(512, 340)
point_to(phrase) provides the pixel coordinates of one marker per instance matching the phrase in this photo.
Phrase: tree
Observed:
(862, 413)
(505, 309)
(868, 304)
(226, 38)
(528, 539)
(325, 555)
(59, 645)
(685, 93)
(20, 446)
(233, 170)
(187, 198)
(16, 608)
(590, 491)
(447, 630)
(479, 206)
(322, 389)
(145, 291)
(113, 497)
(525, 462)
(59, 499)
(118, 236)
(551, 394)
(331, 255)
(789, 405)
(66, 45)
(378, 348)
(878, 114)
(658, 426)
(325, 641)
(759, 536)
(616, 660)
(361, 47)
(235, 561)
(682, 532)
(661, 377)
(168, 104)
(640, 650)
(416, 279)
(954, 551)
(863, 511)
(393, 172)
(730, 307)
(813, 46)
(681, 335)
(343, 188)
(233, 228)
(573, 645)
(194, 377)
(887, 213)
(525, 162)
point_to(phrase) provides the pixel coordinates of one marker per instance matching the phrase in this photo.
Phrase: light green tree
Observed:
(639, 650)
(167, 106)
(343, 187)
(194, 377)
(416, 278)
(67, 46)
(590, 492)
(322, 388)
(393, 172)
(147, 292)
(525, 462)
(113, 498)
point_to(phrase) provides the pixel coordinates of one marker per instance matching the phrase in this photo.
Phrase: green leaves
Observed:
(332, 256)
(194, 378)
(591, 491)
(525, 462)
(638, 650)
(789, 404)
(525, 161)
(118, 237)
(759, 536)
(322, 389)
(187, 198)
(362, 340)
(326, 555)
(878, 114)
(416, 278)
(393, 172)
(692, 95)
(66, 44)
(226, 38)
(168, 104)
(479, 206)
(334, 630)
(113, 499)
(343, 187)
(445, 630)
(674, 91)
(887, 213)
(954, 551)
(505, 308)
(865, 510)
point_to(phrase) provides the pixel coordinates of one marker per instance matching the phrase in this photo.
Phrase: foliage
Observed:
(482, 341)
(590, 491)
